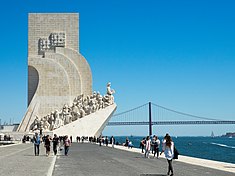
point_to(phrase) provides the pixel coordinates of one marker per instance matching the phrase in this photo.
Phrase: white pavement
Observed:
(228, 167)
(19, 160)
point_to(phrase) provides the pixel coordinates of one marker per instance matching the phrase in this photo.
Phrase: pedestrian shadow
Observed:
(143, 157)
(32, 155)
(139, 157)
(229, 167)
(153, 175)
(29, 155)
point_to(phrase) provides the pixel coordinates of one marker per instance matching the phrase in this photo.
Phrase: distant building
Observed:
(8, 128)
(229, 135)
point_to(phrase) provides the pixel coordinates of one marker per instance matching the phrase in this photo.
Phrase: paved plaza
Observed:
(19, 160)
(91, 160)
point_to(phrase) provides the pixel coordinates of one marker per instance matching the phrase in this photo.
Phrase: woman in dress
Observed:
(147, 147)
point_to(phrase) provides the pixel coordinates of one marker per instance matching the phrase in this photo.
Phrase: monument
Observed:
(60, 97)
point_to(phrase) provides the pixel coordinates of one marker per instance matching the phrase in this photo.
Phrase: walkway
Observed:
(91, 160)
(19, 160)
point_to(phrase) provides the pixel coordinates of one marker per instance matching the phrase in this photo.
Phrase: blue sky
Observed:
(179, 54)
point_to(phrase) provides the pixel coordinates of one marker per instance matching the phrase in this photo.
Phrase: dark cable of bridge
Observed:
(182, 113)
(130, 110)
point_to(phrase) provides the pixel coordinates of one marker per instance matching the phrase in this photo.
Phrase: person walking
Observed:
(67, 144)
(55, 142)
(127, 142)
(77, 139)
(37, 141)
(100, 140)
(142, 144)
(48, 145)
(106, 141)
(164, 143)
(152, 144)
(112, 141)
(156, 146)
(147, 147)
(168, 149)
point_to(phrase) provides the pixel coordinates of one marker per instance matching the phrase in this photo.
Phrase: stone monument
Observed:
(60, 79)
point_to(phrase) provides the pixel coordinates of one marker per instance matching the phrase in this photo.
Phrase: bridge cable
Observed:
(130, 110)
(182, 113)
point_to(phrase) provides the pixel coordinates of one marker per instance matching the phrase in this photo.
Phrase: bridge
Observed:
(154, 114)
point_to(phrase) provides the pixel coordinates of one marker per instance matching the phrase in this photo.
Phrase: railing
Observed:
(172, 123)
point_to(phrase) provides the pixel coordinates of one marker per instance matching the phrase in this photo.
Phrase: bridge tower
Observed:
(150, 120)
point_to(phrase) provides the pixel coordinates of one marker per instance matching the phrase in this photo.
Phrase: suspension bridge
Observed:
(152, 114)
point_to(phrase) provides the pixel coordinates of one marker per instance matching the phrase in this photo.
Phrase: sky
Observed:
(178, 54)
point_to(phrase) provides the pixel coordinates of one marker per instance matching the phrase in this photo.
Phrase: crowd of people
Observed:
(147, 145)
(58, 143)
(64, 142)
(168, 148)
(5, 137)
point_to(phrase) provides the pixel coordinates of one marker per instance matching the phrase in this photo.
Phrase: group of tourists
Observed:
(58, 143)
(167, 148)
(146, 144)
(106, 141)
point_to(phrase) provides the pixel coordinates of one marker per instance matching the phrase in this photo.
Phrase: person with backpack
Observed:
(36, 141)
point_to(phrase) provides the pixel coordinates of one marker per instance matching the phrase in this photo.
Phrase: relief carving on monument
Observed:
(49, 44)
(81, 107)
(57, 39)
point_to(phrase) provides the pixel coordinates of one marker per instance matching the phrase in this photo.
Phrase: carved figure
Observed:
(51, 119)
(75, 112)
(36, 123)
(57, 120)
(46, 125)
(80, 108)
(82, 113)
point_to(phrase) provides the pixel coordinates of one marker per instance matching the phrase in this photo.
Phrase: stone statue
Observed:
(51, 119)
(57, 120)
(100, 102)
(109, 98)
(75, 112)
(82, 113)
(46, 125)
(36, 124)
(109, 90)
(80, 108)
